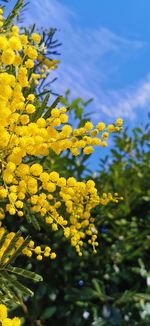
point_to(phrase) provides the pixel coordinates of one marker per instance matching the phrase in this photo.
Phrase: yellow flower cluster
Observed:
(25, 187)
(4, 320)
(29, 250)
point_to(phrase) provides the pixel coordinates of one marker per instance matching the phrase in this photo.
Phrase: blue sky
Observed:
(105, 53)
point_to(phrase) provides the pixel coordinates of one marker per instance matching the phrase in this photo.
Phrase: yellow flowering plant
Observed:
(4, 320)
(30, 129)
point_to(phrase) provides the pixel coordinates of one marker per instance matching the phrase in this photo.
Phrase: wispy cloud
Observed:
(91, 59)
(128, 101)
(49, 13)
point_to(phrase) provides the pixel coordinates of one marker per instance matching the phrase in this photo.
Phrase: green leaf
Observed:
(14, 13)
(140, 296)
(25, 273)
(8, 293)
(126, 297)
(97, 286)
(17, 286)
(39, 111)
(33, 220)
(48, 312)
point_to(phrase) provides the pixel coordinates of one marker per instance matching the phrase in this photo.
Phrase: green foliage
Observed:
(11, 288)
(15, 13)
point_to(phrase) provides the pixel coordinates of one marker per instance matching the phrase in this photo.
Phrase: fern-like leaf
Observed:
(15, 13)
(13, 284)
(25, 273)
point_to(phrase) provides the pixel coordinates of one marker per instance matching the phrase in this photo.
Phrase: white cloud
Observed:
(90, 59)
(126, 102)
(49, 13)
